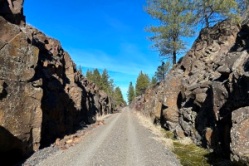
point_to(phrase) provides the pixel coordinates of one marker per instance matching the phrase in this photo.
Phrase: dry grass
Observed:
(102, 117)
(156, 130)
(188, 153)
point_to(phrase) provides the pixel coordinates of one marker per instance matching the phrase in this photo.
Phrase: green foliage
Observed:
(190, 154)
(131, 93)
(178, 18)
(143, 81)
(105, 83)
(175, 17)
(210, 12)
(89, 75)
(93, 76)
(153, 80)
(118, 96)
(162, 71)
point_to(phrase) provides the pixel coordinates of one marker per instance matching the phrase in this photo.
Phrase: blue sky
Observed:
(103, 34)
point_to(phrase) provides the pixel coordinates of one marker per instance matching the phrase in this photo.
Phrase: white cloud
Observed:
(122, 67)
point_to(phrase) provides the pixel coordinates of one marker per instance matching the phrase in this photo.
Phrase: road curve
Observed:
(121, 141)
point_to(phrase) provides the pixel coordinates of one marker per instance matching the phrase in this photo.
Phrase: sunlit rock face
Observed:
(12, 10)
(42, 95)
(205, 96)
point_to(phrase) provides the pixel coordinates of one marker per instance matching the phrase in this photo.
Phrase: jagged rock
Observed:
(206, 93)
(12, 10)
(240, 135)
(42, 95)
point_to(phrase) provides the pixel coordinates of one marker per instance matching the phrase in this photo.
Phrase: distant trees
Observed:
(130, 93)
(119, 97)
(94, 76)
(106, 84)
(175, 17)
(143, 81)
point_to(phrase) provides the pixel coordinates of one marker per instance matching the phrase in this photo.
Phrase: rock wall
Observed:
(42, 95)
(12, 10)
(205, 96)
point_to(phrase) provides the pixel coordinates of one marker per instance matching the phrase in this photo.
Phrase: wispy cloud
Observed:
(116, 24)
(123, 67)
(130, 60)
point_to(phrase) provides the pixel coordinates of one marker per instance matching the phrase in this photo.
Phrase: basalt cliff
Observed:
(42, 95)
(206, 95)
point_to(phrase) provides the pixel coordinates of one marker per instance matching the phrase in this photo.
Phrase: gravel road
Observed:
(121, 141)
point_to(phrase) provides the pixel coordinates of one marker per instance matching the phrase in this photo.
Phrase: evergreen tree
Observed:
(131, 93)
(210, 12)
(111, 86)
(175, 18)
(105, 84)
(143, 81)
(153, 80)
(89, 75)
(162, 71)
(118, 96)
(96, 78)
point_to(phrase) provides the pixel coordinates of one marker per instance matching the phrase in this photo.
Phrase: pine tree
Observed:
(175, 18)
(131, 93)
(89, 75)
(104, 80)
(210, 12)
(118, 96)
(94, 77)
(162, 70)
(143, 81)
(153, 80)
(111, 86)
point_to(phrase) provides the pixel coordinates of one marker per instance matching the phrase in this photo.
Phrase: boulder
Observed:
(240, 135)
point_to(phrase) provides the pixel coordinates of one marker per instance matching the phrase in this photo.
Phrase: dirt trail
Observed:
(121, 141)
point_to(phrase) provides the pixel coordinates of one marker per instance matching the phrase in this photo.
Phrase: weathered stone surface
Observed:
(202, 94)
(240, 135)
(12, 10)
(42, 95)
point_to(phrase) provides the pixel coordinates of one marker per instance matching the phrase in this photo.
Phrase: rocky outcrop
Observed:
(205, 96)
(42, 95)
(12, 10)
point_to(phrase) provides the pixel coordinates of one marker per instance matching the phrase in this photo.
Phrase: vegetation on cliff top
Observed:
(179, 19)
(105, 83)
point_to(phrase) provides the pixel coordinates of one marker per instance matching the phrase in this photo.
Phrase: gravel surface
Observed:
(121, 141)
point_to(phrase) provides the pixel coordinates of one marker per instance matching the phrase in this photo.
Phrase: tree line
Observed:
(178, 19)
(143, 81)
(105, 83)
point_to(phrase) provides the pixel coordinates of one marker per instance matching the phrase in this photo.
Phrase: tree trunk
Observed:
(206, 21)
(174, 57)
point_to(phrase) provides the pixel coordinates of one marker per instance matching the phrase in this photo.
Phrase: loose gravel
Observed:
(120, 141)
